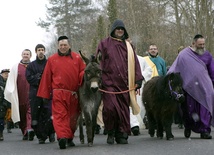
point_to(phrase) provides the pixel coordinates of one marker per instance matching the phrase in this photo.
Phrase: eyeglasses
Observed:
(153, 49)
(119, 28)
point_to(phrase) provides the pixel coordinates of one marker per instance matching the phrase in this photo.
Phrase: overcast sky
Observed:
(18, 29)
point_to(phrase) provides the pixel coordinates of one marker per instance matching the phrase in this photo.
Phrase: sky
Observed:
(18, 29)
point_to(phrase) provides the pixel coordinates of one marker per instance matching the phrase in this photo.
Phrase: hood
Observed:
(119, 23)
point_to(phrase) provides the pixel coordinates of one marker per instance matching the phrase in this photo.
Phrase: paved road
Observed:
(138, 145)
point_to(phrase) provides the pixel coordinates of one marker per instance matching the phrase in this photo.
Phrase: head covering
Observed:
(197, 36)
(39, 46)
(62, 38)
(119, 23)
(5, 70)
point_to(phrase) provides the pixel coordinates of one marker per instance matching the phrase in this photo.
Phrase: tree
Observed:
(69, 17)
(112, 11)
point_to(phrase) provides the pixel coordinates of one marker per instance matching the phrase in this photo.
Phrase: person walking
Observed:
(3, 79)
(40, 111)
(120, 72)
(61, 79)
(196, 67)
(16, 92)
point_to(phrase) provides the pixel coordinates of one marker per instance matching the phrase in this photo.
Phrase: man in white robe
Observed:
(136, 120)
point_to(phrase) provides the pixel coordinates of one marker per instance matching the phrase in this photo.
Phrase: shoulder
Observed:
(161, 59)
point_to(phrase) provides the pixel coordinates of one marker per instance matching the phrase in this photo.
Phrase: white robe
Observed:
(136, 120)
(11, 93)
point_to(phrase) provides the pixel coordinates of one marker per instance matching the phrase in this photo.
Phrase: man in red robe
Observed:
(61, 79)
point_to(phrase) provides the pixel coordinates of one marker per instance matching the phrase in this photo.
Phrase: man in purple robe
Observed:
(114, 52)
(196, 67)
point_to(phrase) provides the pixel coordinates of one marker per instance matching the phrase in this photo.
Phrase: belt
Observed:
(74, 93)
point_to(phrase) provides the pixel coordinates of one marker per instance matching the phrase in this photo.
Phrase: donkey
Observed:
(90, 98)
(160, 96)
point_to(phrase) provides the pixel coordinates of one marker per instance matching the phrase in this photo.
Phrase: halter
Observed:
(174, 93)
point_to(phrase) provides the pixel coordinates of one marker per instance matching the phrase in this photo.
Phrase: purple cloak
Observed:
(197, 72)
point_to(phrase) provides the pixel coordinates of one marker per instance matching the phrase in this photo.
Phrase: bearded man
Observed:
(196, 67)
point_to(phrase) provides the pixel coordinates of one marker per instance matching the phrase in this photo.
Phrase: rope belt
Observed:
(111, 92)
(72, 92)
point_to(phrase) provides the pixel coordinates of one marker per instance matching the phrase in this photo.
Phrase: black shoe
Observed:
(62, 143)
(206, 136)
(41, 141)
(31, 135)
(70, 142)
(187, 133)
(105, 132)
(110, 139)
(52, 138)
(121, 141)
(1, 136)
(97, 129)
(9, 131)
(135, 130)
(25, 137)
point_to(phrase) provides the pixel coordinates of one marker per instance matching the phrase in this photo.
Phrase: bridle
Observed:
(174, 93)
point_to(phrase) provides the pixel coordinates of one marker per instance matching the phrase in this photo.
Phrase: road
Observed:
(138, 145)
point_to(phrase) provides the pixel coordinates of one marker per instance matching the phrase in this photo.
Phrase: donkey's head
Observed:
(175, 83)
(93, 72)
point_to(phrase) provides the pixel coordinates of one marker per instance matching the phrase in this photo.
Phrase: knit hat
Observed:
(5, 70)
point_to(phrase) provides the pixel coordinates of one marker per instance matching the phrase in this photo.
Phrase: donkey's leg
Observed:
(81, 135)
(89, 126)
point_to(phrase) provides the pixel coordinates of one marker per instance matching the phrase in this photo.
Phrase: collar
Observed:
(153, 56)
(24, 63)
(116, 39)
(41, 61)
(65, 54)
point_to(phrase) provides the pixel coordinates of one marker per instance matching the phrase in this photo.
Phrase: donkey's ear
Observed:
(99, 57)
(84, 58)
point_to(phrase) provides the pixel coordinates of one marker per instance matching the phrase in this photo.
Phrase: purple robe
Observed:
(114, 64)
(197, 72)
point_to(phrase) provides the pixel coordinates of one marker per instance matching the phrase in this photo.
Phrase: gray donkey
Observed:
(89, 98)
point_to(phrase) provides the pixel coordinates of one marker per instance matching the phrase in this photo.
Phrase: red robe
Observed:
(62, 78)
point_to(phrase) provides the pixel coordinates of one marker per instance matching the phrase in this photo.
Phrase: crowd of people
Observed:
(42, 95)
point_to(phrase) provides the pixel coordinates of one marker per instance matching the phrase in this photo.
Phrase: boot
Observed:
(9, 126)
(1, 136)
(97, 129)
(110, 139)
(121, 138)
